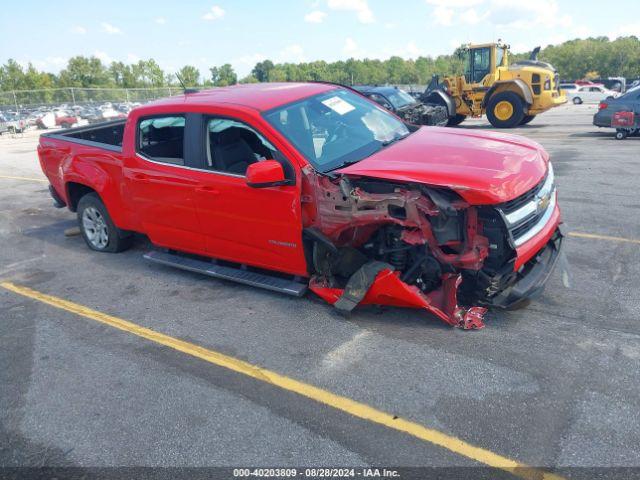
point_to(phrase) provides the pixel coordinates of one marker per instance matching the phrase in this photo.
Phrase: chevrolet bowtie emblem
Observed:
(543, 203)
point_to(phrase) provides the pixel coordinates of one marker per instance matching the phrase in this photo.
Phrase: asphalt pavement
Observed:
(555, 385)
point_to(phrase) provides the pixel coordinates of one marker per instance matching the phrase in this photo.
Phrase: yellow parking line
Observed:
(26, 179)
(603, 237)
(338, 402)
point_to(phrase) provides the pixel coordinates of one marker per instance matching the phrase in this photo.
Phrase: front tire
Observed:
(456, 120)
(97, 228)
(505, 110)
(577, 101)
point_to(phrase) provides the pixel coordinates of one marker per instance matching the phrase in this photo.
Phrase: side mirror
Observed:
(267, 173)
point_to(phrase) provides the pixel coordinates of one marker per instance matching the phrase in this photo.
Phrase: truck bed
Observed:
(107, 135)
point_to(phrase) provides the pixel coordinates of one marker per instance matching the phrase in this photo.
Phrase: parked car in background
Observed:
(629, 102)
(46, 120)
(590, 94)
(405, 106)
(569, 87)
(17, 123)
(3, 125)
(66, 119)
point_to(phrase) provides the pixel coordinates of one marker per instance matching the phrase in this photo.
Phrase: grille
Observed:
(517, 203)
(528, 214)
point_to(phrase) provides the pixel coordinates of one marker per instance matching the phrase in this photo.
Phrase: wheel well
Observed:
(75, 191)
(516, 86)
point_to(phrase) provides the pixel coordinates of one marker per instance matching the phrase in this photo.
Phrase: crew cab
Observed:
(296, 186)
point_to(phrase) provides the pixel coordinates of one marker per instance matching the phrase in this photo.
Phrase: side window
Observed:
(232, 146)
(161, 139)
(380, 100)
(499, 57)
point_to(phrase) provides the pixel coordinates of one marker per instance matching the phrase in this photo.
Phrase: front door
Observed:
(256, 226)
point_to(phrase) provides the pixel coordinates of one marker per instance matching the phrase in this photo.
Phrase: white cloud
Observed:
(292, 53)
(160, 20)
(110, 29)
(512, 14)
(316, 16)
(412, 50)
(443, 16)
(103, 57)
(360, 7)
(352, 49)
(132, 58)
(250, 60)
(454, 3)
(626, 31)
(472, 17)
(214, 13)
(78, 30)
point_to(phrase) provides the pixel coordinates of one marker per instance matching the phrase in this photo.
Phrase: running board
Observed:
(276, 284)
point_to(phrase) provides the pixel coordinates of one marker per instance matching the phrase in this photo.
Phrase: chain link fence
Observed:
(20, 99)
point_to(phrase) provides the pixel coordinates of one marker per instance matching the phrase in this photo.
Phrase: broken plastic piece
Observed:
(472, 319)
(388, 289)
(359, 284)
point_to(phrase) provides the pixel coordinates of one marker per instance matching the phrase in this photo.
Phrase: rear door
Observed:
(255, 226)
(159, 182)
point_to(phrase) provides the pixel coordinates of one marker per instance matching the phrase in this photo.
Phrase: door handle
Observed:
(139, 177)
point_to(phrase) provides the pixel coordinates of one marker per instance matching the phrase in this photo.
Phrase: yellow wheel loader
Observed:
(510, 95)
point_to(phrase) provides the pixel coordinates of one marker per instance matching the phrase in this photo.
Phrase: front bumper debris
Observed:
(388, 289)
(533, 277)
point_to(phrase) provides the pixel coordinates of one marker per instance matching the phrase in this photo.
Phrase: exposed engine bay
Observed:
(416, 242)
(424, 114)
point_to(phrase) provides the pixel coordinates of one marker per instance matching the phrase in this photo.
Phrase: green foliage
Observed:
(190, 76)
(223, 76)
(574, 59)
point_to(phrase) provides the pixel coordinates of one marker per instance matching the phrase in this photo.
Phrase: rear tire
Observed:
(621, 135)
(97, 228)
(505, 110)
(527, 119)
(456, 120)
(65, 125)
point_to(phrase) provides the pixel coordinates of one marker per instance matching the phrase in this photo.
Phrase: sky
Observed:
(243, 32)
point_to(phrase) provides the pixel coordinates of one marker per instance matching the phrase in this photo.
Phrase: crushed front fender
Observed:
(388, 289)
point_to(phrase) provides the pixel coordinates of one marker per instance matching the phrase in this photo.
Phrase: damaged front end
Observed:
(424, 114)
(406, 245)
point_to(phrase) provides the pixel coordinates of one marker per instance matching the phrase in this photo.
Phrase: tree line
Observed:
(575, 59)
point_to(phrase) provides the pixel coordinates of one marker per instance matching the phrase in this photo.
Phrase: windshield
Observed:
(400, 99)
(336, 128)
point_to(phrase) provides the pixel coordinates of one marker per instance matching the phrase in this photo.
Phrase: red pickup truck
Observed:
(309, 185)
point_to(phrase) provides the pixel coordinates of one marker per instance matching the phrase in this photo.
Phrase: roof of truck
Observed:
(261, 96)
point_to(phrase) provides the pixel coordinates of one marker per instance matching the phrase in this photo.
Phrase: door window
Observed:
(481, 63)
(232, 146)
(161, 139)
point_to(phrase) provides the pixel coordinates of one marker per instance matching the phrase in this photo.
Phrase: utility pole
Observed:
(15, 100)
(73, 96)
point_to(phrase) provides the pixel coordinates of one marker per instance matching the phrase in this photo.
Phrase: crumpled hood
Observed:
(484, 168)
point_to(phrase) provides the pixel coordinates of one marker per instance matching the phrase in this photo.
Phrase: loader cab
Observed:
(481, 60)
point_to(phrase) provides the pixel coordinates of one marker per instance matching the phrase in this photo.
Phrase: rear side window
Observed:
(161, 139)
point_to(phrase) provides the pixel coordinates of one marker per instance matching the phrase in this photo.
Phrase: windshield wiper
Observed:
(386, 143)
